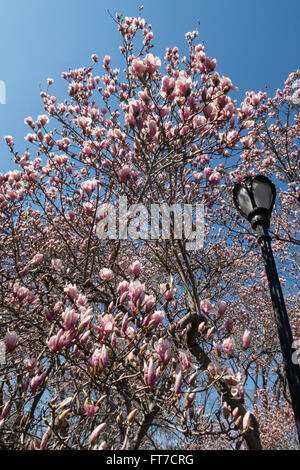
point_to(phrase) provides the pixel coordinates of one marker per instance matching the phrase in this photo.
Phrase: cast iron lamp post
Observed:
(254, 198)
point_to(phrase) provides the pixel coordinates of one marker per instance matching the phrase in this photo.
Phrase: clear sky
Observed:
(256, 43)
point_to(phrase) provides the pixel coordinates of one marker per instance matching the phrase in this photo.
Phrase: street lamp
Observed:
(254, 199)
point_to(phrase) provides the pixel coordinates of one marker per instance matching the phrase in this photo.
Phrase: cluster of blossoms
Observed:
(128, 334)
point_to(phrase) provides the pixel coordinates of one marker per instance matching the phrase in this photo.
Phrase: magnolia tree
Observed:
(131, 339)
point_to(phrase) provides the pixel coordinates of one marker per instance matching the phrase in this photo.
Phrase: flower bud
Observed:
(246, 339)
(11, 340)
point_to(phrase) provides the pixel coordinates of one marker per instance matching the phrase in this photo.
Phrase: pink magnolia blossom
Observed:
(167, 86)
(138, 67)
(150, 373)
(81, 300)
(228, 346)
(29, 121)
(207, 172)
(136, 268)
(123, 297)
(68, 337)
(84, 337)
(5, 410)
(215, 178)
(11, 340)
(107, 324)
(229, 325)
(164, 351)
(149, 303)
(48, 314)
(217, 349)
(22, 293)
(32, 445)
(238, 391)
(95, 358)
(124, 324)
(232, 138)
(152, 63)
(37, 258)
(71, 290)
(221, 306)
(246, 420)
(84, 123)
(62, 144)
(185, 359)
(136, 291)
(246, 338)
(124, 173)
(199, 123)
(206, 306)
(96, 433)
(178, 382)
(9, 140)
(36, 381)
(154, 319)
(89, 186)
(152, 128)
(30, 298)
(70, 318)
(210, 332)
(42, 120)
(31, 137)
(45, 438)
(90, 410)
(190, 398)
(113, 339)
(226, 410)
(103, 356)
(55, 343)
(123, 287)
(106, 62)
(192, 378)
(226, 84)
(106, 274)
(30, 364)
(57, 307)
(167, 291)
(12, 195)
(210, 111)
(183, 83)
(198, 176)
(71, 215)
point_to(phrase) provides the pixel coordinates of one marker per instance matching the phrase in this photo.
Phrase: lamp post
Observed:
(254, 199)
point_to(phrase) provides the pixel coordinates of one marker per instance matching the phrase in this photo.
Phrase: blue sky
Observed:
(256, 43)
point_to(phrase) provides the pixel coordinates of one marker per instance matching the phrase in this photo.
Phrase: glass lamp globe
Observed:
(254, 199)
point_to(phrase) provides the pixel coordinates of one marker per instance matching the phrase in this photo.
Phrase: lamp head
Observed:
(254, 199)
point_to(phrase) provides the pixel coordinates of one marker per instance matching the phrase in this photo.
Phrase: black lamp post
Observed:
(254, 198)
